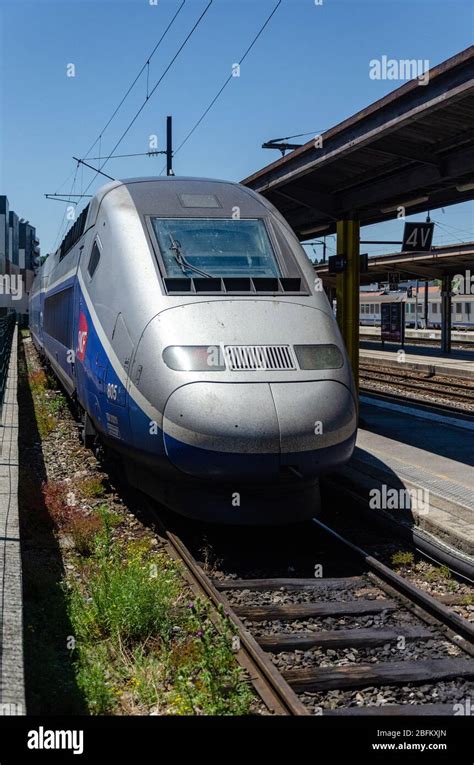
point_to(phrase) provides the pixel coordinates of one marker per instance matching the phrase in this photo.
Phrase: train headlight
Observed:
(318, 356)
(194, 358)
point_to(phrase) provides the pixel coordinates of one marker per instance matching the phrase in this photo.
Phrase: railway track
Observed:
(273, 689)
(288, 626)
(282, 612)
(417, 382)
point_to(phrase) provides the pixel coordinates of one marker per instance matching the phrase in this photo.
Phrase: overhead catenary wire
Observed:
(133, 120)
(82, 162)
(62, 225)
(446, 231)
(456, 229)
(130, 88)
(152, 153)
(59, 197)
(65, 181)
(146, 66)
(229, 78)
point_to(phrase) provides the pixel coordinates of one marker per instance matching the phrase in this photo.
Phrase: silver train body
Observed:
(184, 318)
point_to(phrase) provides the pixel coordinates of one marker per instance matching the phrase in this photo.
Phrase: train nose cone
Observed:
(220, 430)
(253, 431)
(318, 425)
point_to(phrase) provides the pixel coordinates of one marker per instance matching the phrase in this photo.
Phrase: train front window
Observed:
(202, 247)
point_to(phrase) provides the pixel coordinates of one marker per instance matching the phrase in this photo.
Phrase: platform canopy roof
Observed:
(414, 147)
(450, 260)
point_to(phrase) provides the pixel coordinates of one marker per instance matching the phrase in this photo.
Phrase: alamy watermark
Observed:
(12, 285)
(11, 709)
(385, 68)
(388, 498)
(463, 284)
(42, 738)
(464, 708)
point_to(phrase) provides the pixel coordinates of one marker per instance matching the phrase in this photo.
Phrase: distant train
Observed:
(462, 309)
(182, 317)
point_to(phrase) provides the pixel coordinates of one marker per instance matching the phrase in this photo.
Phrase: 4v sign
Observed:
(417, 237)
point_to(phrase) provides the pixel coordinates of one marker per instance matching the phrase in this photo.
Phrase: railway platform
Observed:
(12, 693)
(457, 335)
(459, 363)
(418, 474)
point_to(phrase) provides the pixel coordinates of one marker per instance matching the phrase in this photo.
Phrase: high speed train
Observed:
(183, 317)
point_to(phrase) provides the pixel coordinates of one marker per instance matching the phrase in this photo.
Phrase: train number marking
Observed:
(112, 391)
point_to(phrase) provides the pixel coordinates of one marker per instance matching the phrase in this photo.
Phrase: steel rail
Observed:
(273, 689)
(444, 614)
(424, 543)
(455, 390)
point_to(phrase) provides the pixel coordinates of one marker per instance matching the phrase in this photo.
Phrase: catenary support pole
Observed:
(169, 146)
(347, 290)
(446, 314)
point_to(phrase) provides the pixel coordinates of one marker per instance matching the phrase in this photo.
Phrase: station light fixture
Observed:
(408, 203)
(314, 230)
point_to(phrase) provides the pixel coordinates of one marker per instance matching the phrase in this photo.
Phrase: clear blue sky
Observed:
(308, 71)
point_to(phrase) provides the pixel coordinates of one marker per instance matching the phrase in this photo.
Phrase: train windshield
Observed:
(215, 247)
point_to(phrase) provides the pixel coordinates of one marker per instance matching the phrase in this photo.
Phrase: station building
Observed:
(19, 253)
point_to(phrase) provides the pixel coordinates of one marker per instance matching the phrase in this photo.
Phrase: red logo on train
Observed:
(82, 337)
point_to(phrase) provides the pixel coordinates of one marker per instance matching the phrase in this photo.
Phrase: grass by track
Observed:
(111, 626)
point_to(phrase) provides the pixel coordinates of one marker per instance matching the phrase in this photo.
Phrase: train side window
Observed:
(93, 260)
(362, 308)
(58, 313)
(435, 308)
(458, 307)
(467, 308)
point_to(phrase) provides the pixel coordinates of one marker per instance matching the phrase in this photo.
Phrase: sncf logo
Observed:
(82, 337)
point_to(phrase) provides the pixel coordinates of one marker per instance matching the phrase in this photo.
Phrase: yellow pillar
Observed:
(347, 290)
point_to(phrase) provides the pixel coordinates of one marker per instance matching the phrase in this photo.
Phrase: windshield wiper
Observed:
(181, 260)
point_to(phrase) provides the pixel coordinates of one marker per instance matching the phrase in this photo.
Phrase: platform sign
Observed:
(392, 320)
(337, 264)
(417, 237)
